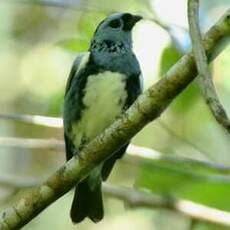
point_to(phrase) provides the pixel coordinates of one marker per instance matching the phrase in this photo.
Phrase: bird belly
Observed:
(104, 99)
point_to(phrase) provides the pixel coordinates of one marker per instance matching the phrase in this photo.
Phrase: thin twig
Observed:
(70, 5)
(81, 6)
(182, 138)
(54, 122)
(19, 182)
(151, 14)
(206, 83)
(32, 143)
(189, 209)
(135, 154)
(149, 155)
(136, 199)
(50, 3)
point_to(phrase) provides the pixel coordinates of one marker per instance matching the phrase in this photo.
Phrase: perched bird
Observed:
(102, 84)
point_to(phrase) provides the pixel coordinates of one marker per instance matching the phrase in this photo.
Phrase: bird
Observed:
(103, 83)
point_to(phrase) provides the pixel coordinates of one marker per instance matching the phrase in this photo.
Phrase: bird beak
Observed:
(136, 18)
(130, 20)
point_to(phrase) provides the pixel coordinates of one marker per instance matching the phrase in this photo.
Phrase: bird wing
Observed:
(77, 65)
(70, 112)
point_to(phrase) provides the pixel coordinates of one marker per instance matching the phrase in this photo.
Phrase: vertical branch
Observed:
(206, 83)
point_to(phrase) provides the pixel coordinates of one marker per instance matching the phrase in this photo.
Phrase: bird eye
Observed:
(116, 23)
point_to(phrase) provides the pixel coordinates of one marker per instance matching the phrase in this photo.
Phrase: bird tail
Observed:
(87, 203)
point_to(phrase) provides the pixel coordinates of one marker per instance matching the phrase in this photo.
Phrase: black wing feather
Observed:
(71, 112)
(73, 71)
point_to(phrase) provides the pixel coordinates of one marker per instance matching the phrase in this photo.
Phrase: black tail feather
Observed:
(87, 203)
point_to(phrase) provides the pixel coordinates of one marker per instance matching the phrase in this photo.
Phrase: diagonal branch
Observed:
(183, 139)
(206, 83)
(137, 199)
(148, 107)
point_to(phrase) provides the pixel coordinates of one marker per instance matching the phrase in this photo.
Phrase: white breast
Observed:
(104, 99)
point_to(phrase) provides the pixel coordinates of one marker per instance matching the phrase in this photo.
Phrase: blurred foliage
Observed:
(38, 43)
(74, 44)
(170, 55)
(179, 182)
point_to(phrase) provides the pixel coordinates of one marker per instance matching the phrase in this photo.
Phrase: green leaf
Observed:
(204, 226)
(74, 44)
(199, 184)
(169, 57)
(186, 99)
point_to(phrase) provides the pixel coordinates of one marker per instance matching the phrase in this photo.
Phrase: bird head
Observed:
(114, 33)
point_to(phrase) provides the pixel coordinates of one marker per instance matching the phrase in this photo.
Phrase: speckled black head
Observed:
(114, 33)
(119, 22)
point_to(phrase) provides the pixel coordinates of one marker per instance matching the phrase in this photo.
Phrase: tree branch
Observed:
(148, 107)
(16, 182)
(183, 139)
(70, 5)
(206, 83)
(136, 199)
(60, 4)
(32, 143)
(53, 122)
(57, 122)
(134, 154)
(149, 156)
(187, 208)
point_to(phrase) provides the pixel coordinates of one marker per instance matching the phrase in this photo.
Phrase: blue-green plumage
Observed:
(102, 84)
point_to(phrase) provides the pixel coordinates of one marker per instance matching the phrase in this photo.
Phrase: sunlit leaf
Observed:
(169, 57)
(186, 182)
(185, 100)
(74, 44)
